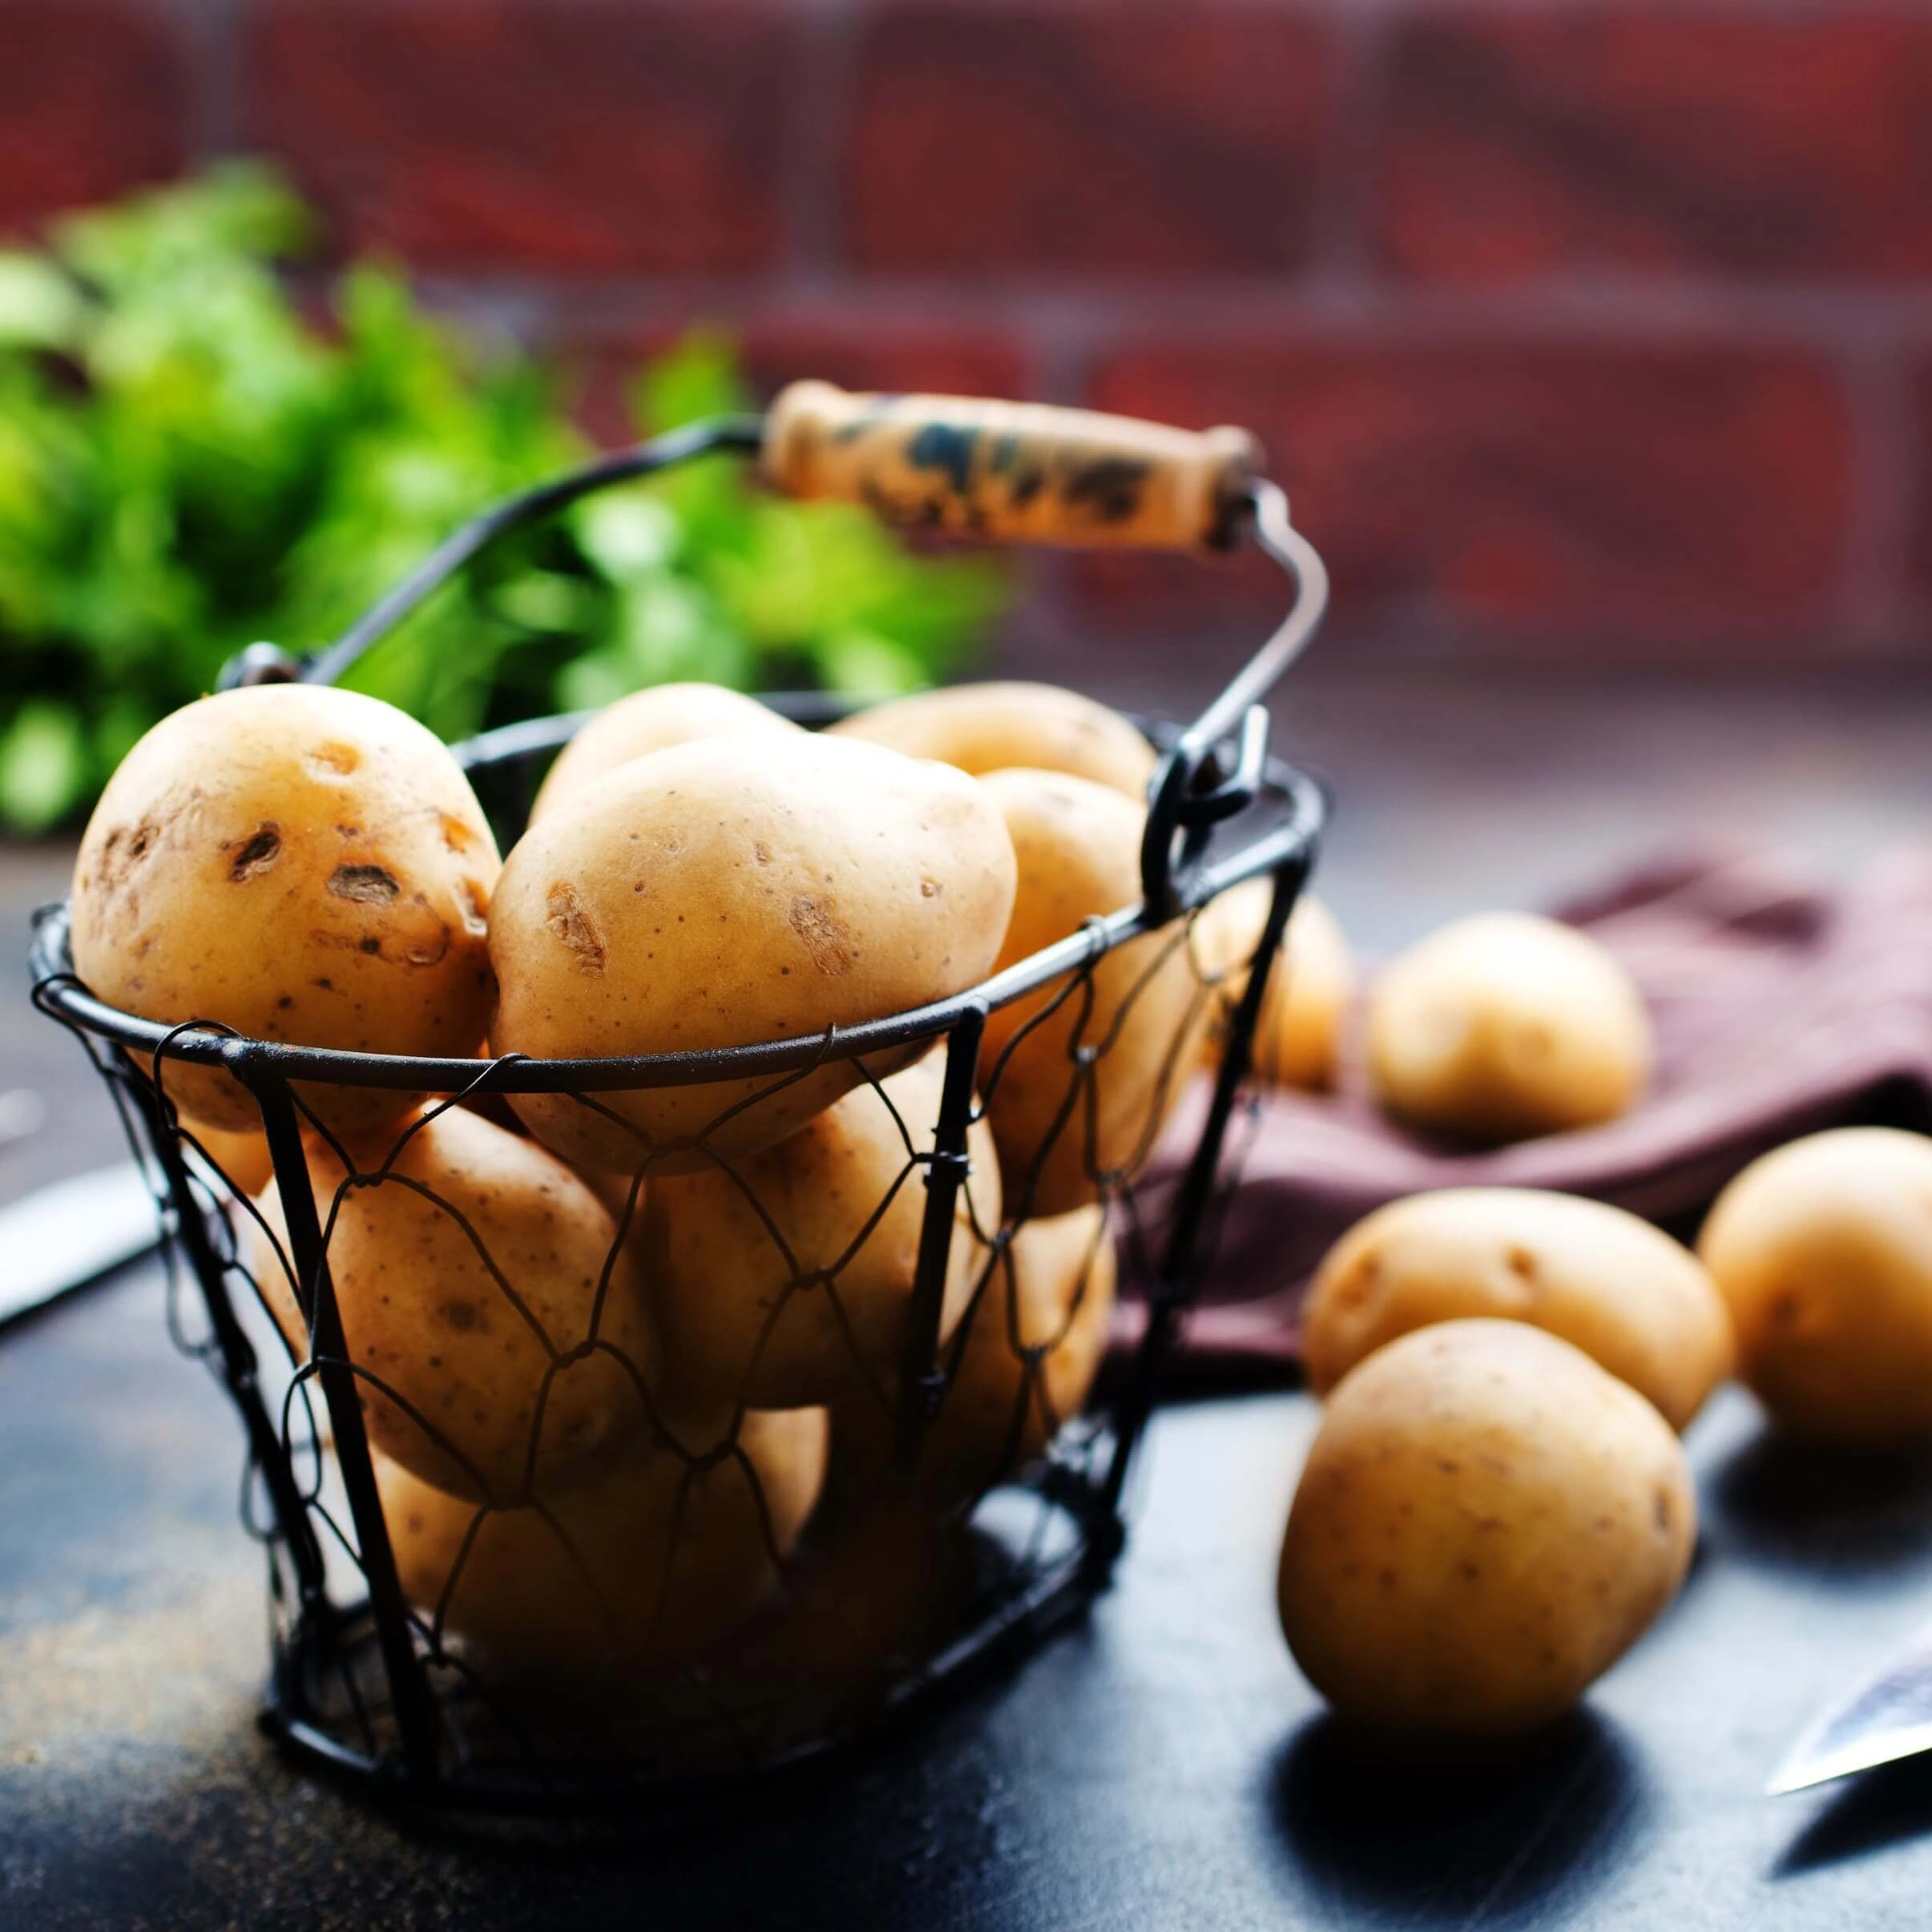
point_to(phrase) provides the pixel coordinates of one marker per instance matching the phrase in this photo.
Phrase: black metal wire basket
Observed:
(829, 1612)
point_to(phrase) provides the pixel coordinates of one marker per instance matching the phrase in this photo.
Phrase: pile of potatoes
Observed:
(616, 1348)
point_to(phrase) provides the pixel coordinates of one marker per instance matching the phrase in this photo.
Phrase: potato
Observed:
(1078, 849)
(648, 721)
(243, 1159)
(1634, 1300)
(300, 864)
(1506, 1025)
(772, 1281)
(1029, 1359)
(731, 892)
(1487, 1523)
(991, 728)
(477, 1261)
(1823, 1249)
(1297, 1038)
(644, 1568)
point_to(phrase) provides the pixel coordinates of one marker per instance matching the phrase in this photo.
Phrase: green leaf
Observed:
(39, 307)
(43, 766)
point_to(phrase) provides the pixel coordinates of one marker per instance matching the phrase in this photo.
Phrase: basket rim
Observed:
(1290, 842)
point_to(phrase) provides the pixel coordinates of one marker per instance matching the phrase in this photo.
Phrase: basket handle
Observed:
(1016, 472)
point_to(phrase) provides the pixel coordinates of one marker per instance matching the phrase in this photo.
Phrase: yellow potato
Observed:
(1506, 1025)
(430, 1264)
(299, 864)
(1030, 1358)
(1634, 1300)
(645, 1567)
(1823, 1249)
(1078, 849)
(242, 1159)
(1487, 1523)
(991, 728)
(731, 892)
(824, 1314)
(1297, 1038)
(648, 721)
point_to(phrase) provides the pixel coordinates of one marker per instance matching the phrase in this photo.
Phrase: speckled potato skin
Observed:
(526, 1609)
(991, 728)
(1823, 1248)
(1487, 1521)
(732, 1322)
(1506, 1025)
(1027, 1366)
(648, 721)
(300, 864)
(1078, 849)
(1634, 1300)
(1298, 1036)
(730, 892)
(422, 1310)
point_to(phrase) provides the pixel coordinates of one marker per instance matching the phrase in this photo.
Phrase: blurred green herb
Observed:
(188, 463)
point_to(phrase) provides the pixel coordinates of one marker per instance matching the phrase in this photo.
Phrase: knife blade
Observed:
(1885, 1716)
(62, 1237)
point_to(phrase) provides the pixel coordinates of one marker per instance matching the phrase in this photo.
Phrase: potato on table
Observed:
(1064, 1128)
(731, 892)
(1823, 1249)
(1487, 1521)
(1506, 1025)
(470, 1279)
(1634, 1300)
(991, 728)
(786, 1277)
(648, 721)
(299, 864)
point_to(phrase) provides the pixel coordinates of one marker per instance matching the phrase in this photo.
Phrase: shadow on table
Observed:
(1877, 1809)
(1529, 1839)
(1807, 1506)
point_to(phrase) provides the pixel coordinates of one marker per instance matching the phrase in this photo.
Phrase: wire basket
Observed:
(700, 1612)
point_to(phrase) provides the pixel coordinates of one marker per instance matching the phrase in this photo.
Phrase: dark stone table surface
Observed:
(1161, 1764)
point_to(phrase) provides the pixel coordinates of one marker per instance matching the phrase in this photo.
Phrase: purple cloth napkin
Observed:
(1780, 1007)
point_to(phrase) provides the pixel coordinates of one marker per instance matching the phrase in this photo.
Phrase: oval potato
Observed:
(648, 721)
(476, 1262)
(1487, 1521)
(641, 1570)
(300, 864)
(1823, 1248)
(1298, 1035)
(1634, 1300)
(990, 728)
(774, 1282)
(1506, 1025)
(1027, 1366)
(731, 892)
(1079, 850)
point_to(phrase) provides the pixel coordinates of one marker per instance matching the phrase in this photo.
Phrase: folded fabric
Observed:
(1779, 1008)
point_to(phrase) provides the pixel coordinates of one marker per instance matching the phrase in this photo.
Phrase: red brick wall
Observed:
(1577, 328)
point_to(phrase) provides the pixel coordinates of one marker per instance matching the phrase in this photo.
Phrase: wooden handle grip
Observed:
(1014, 472)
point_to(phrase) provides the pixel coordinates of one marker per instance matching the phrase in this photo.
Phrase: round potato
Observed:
(480, 1284)
(775, 1284)
(1823, 1249)
(243, 1159)
(731, 892)
(1029, 1359)
(991, 728)
(1487, 1523)
(1506, 1025)
(1068, 1131)
(300, 864)
(1298, 1035)
(1634, 1300)
(641, 1570)
(648, 721)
